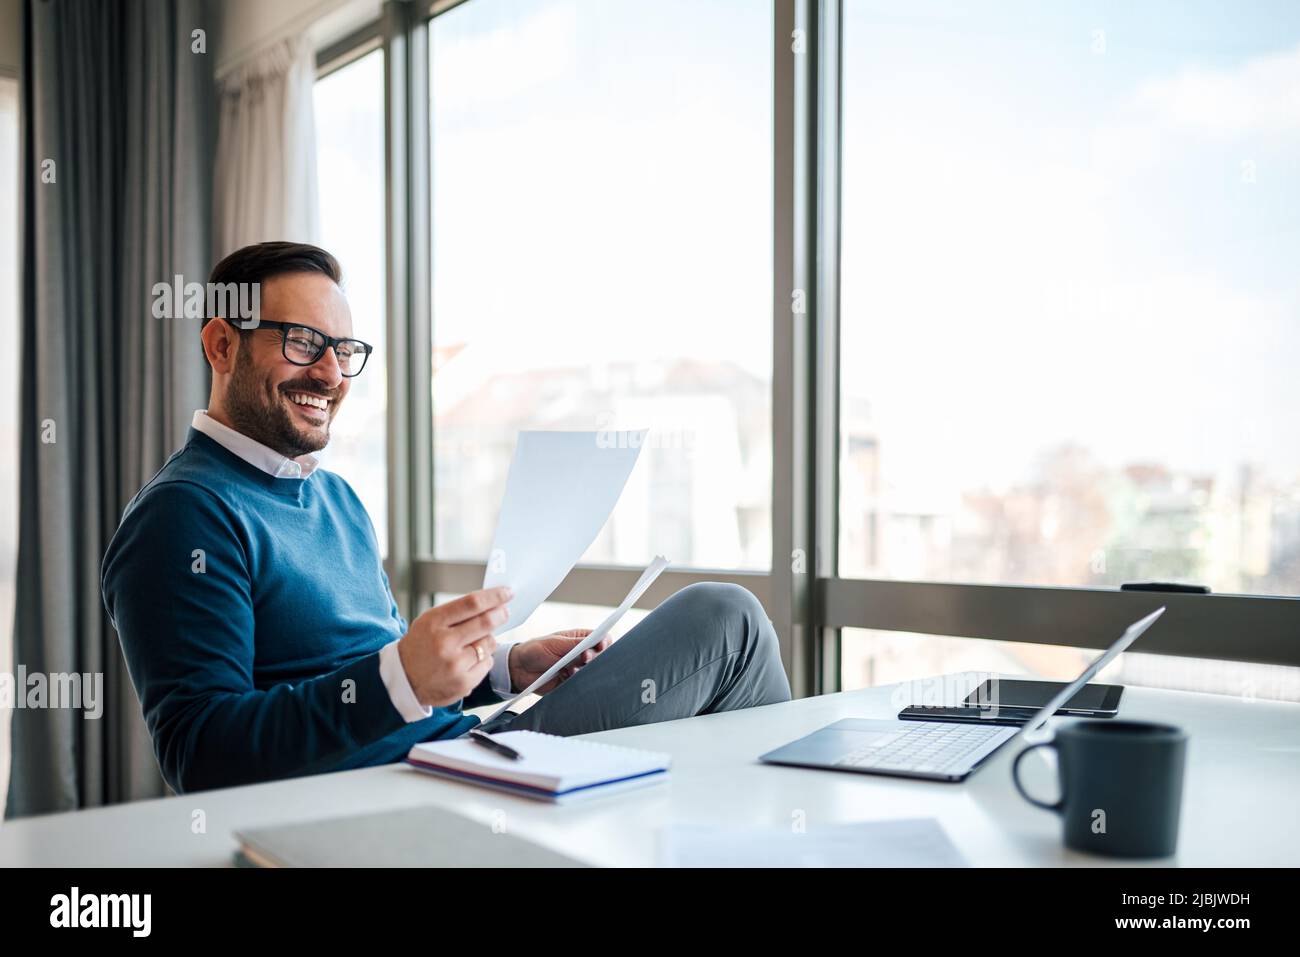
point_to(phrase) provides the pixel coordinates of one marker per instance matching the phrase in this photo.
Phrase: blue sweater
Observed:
(251, 610)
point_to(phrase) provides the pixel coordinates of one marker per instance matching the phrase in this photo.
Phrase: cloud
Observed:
(493, 61)
(1262, 95)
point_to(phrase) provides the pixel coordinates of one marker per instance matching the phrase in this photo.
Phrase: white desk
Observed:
(1239, 807)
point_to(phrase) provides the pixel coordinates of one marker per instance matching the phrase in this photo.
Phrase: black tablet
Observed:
(1091, 701)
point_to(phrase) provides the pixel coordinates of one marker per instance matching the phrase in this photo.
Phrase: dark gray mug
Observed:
(1121, 786)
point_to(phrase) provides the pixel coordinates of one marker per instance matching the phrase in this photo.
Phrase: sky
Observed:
(1073, 222)
(602, 182)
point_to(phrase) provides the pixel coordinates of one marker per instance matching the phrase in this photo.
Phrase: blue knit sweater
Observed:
(251, 610)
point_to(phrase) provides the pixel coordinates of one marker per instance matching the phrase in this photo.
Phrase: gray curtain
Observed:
(115, 96)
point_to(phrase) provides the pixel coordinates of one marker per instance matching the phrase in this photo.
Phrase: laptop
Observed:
(932, 750)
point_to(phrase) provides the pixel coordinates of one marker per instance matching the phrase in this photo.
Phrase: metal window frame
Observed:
(434, 8)
(807, 599)
(826, 374)
(365, 39)
(408, 291)
(1229, 627)
(592, 584)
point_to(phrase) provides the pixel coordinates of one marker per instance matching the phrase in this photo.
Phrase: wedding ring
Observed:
(479, 651)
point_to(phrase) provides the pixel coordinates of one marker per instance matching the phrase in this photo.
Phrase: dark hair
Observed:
(262, 261)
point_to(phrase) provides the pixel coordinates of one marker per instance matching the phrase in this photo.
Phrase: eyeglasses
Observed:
(303, 346)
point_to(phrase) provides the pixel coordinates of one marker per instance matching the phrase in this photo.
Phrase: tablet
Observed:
(1091, 701)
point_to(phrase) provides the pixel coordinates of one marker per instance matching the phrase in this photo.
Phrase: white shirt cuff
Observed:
(393, 675)
(499, 676)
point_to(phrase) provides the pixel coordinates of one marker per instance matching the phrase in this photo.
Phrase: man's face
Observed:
(267, 396)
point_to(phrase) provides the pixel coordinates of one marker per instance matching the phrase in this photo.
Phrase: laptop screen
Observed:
(1131, 633)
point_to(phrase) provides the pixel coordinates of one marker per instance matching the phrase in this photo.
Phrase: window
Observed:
(1068, 314)
(1069, 311)
(602, 236)
(350, 171)
(1044, 251)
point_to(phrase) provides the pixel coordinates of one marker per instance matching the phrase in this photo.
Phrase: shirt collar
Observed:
(253, 452)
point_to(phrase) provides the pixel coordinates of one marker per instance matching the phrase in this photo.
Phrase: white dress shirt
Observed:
(391, 671)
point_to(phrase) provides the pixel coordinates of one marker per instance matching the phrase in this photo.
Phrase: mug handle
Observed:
(1015, 778)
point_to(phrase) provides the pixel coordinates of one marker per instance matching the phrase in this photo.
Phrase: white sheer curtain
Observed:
(265, 177)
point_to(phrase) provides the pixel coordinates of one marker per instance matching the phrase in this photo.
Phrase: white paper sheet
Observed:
(561, 488)
(647, 578)
(905, 842)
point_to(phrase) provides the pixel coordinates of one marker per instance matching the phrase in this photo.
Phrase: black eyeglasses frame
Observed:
(330, 342)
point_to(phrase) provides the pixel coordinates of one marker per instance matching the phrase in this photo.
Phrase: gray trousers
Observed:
(708, 648)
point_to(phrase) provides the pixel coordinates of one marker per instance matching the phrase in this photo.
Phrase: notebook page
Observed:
(547, 761)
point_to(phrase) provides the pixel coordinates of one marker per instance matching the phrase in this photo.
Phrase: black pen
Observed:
(486, 740)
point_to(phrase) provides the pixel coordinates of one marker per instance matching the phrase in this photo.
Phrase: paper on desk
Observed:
(647, 578)
(906, 842)
(560, 489)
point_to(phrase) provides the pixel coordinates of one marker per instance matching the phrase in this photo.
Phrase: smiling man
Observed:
(257, 622)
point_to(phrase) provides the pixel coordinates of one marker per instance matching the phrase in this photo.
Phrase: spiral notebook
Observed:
(550, 768)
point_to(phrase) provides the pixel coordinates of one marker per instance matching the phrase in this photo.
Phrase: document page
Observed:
(910, 842)
(561, 488)
(645, 581)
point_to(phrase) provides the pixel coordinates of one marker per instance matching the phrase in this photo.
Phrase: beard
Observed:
(260, 411)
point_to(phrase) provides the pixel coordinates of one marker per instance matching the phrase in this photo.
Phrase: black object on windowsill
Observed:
(1166, 587)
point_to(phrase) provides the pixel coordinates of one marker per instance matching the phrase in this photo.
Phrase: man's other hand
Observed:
(529, 660)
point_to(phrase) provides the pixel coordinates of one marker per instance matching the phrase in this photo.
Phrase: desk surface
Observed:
(1239, 804)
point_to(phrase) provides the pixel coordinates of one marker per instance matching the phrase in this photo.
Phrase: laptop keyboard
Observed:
(929, 747)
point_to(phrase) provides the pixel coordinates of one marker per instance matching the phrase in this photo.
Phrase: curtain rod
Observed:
(295, 25)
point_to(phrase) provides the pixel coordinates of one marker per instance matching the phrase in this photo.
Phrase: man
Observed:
(257, 622)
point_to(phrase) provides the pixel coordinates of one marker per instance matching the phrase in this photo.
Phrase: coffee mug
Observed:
(1121, 786)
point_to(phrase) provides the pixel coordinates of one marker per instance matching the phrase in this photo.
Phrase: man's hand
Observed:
(529, 660)
(448, 649)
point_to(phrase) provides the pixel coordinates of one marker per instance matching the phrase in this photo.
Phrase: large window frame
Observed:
(807, 599)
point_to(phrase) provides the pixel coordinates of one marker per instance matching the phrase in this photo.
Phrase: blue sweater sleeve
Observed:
(187, 631)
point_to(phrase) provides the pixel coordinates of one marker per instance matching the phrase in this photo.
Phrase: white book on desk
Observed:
(550, 768)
